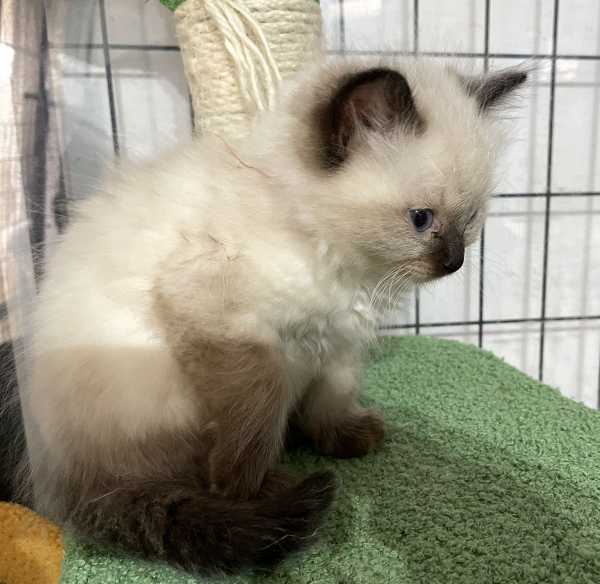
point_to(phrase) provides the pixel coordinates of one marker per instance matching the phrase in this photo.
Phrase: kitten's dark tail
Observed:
(176, 522)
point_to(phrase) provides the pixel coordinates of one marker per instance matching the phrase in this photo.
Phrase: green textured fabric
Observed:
(485, 476)
(173, 4)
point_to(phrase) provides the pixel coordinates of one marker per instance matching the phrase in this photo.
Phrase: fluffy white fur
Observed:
(257, 244)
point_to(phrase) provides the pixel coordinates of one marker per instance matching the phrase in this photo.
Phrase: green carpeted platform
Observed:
(486, 476)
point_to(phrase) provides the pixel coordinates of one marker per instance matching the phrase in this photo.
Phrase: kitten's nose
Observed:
(454, 260)
(453, 265)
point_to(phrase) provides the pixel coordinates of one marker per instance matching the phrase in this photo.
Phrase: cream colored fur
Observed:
(257, 244)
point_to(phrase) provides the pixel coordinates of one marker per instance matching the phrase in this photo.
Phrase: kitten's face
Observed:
(405, 163)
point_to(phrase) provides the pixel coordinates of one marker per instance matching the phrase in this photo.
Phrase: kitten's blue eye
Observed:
(421, 218)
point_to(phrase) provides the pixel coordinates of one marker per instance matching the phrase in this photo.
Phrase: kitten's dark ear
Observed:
(377, 99)
(494, 89)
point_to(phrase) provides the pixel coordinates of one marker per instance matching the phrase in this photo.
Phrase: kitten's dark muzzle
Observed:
(450, 253)
(454, 258)
(447, 255)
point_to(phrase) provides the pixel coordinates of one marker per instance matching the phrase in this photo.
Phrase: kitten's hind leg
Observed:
(339, 426)
(172, 516)
(249, 397)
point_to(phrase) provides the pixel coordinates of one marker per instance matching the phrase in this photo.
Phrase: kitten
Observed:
(203, 299)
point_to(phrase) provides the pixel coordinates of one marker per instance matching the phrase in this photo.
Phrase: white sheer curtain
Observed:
(31, 203)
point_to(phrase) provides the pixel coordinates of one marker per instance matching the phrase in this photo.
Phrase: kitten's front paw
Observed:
(354, 437)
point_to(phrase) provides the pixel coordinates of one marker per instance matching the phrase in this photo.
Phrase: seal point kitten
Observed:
(203, 300)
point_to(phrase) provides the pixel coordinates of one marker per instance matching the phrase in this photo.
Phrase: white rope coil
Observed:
(235, 53)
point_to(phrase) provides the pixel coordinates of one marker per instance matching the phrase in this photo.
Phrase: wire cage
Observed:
(88, 82)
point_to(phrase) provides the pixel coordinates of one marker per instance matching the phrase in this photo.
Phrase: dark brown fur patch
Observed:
(338, 425)
(178, 521)
(359, 434)
(493, 89)
(378, 99)
(248, 396)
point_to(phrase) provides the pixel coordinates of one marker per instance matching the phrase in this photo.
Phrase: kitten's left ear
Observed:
(373, 100)
(494, 89)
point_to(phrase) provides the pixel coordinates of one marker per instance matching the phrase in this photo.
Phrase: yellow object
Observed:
(31, 549)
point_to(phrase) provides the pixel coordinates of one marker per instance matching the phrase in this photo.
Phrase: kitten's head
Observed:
(400, 159)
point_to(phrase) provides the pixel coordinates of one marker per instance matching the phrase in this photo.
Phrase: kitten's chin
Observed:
(423, 272)
(420, 279)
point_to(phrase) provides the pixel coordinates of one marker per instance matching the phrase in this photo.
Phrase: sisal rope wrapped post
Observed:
(236, 52)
